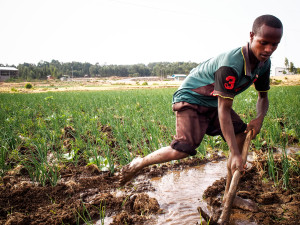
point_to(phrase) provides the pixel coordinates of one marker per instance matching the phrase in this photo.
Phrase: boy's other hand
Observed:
(254, 125)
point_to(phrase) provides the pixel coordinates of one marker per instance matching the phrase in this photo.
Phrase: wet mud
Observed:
(276, 205)
(85, 194)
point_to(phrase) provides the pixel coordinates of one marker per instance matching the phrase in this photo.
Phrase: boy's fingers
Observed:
(245, 168)
(241, 168)
(253, 134)
(237, 168)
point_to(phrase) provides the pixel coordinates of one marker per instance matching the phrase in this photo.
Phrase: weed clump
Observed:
(14, 89)
(276, 82)
(28, 86)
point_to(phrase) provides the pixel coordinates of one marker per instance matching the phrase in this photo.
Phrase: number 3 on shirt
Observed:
(230, 84)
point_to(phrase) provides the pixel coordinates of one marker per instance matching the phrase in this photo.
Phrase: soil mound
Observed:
(84, 194)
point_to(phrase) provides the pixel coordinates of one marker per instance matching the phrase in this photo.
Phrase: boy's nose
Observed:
(269, 49)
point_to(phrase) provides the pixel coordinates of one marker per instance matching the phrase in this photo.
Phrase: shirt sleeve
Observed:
(263, 82)
(225, 81)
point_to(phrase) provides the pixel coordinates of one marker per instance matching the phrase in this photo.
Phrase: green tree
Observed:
(286, 63)
(55, 68)
(93, 70)
(292, 68)
(53, 71)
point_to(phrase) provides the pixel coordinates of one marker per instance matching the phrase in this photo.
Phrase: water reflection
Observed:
(179, 193)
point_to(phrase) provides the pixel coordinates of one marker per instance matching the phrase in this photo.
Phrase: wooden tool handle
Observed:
(246, 146)
(225, 216)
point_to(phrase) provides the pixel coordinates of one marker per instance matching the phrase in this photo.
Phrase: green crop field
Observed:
(46, 131)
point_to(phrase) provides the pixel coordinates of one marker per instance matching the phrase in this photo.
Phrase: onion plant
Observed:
(285, 169)
(272, 169)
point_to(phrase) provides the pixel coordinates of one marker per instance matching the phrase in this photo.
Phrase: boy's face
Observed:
(265, 42)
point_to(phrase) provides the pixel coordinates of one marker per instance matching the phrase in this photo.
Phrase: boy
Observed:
(203, 103)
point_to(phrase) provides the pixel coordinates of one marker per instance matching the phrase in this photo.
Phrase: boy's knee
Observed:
(178, 154)
(183, 147)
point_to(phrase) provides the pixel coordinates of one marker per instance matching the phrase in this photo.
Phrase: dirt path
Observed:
(84, 85)
(79, 84)
(286, 80)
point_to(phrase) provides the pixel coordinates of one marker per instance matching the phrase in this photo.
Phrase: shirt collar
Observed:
(247, 65)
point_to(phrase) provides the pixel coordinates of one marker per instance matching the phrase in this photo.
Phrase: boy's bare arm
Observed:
(224, 111)
(262, 107)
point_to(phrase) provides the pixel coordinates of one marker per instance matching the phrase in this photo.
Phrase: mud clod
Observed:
(268, 198)
(143, 204)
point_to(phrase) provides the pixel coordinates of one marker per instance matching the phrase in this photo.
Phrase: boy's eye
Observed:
(263, 43)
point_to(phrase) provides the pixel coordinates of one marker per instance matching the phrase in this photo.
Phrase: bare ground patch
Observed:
(115, 83)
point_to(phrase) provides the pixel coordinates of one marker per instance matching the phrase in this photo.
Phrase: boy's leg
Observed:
(162, 155)
(190, 129)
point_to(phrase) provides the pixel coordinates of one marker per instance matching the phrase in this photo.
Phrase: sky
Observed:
(126, 32)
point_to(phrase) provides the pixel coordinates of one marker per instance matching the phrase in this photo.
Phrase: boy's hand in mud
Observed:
(237, 163)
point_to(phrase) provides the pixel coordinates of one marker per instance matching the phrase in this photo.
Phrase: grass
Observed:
(272, 169)
(84, 215)
(285, 169)
(110, 128)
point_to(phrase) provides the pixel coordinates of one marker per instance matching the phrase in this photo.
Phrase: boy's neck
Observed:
(253, 60)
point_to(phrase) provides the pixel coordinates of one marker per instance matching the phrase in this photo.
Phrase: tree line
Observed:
(56, 69)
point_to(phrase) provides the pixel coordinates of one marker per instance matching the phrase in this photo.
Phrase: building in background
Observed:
(279, 71)
(179, 77)
(7, 73)
(65, 78)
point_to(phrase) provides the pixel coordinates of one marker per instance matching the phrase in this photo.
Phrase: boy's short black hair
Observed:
(267, 20)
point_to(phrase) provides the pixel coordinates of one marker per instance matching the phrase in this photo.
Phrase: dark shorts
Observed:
(194, 121)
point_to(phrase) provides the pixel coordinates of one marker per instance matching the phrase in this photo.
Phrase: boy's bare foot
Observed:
(129, 171)
(245, 204)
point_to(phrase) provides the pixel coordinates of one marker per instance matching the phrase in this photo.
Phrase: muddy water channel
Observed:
(179, 193)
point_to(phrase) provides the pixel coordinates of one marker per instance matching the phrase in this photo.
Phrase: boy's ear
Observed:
(251, 35)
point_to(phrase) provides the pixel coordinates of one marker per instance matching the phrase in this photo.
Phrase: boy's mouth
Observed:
(265, 56)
